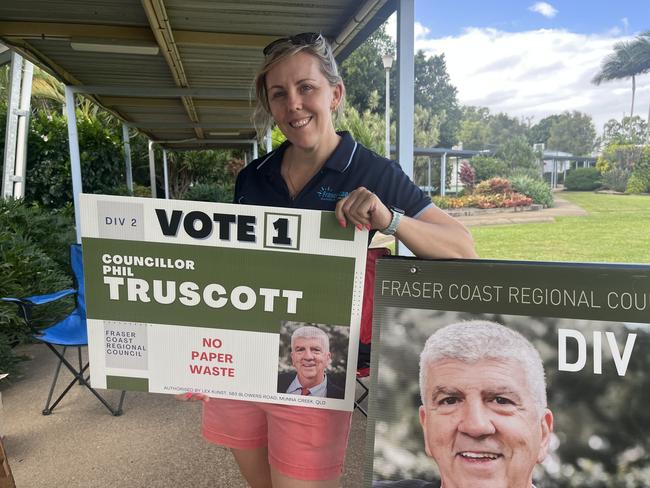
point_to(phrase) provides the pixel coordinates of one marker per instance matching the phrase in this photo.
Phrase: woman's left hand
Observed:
(362, 208)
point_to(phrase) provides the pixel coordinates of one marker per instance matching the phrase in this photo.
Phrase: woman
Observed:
(299, 88)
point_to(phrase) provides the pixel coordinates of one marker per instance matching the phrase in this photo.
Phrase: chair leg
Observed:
(118, 411)
(63, 393)
(362, 397)
(80, 362)
(47, 410)
(79, 376)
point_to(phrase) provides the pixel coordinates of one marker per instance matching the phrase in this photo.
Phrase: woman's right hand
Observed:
(192, 397)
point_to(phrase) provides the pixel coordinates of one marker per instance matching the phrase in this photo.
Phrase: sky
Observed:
(532, 59)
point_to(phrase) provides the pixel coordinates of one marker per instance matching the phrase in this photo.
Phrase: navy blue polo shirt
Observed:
(351, 165)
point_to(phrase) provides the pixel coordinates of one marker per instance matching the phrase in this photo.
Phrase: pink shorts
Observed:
(304, 443)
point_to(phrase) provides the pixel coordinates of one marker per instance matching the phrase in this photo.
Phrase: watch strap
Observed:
(394, 222)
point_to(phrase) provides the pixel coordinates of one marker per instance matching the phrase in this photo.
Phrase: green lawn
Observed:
(617, 229)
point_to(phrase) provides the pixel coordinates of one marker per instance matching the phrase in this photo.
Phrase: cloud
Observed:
(536, 73)
(499, 64)
(543, 8)
(421, 31)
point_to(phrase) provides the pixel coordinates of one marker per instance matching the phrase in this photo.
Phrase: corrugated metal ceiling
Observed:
(213, 46)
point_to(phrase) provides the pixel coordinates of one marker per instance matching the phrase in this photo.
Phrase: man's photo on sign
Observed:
(308, 364)
(484, 400)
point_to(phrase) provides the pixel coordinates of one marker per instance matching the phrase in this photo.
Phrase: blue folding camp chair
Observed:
(69, 332)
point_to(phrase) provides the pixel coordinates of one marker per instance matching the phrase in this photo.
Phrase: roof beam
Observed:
(64, 31)
(162, 31)
(221, 39)
(169, 102)
(365, 13)
(5, 56)
(32, 54)
(157, 92)
(207, 141)
(217, 126)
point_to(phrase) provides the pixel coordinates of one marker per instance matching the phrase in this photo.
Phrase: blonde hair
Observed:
(283, 49)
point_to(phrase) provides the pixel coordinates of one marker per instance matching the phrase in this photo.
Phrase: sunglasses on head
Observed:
(304, 39)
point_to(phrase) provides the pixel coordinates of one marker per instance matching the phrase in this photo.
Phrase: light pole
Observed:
(388, 62)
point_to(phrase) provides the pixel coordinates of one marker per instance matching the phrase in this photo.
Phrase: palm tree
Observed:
(642, 57)
(618, 65)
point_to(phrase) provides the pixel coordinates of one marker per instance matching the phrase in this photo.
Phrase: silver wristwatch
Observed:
(394, 221)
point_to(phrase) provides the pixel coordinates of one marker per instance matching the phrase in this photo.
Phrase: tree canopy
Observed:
(541, 131)
(630, 130)
(572, 132)
(363, 71)
(363, 74)
(434, 92)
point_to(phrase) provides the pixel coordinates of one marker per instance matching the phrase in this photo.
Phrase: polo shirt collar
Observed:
(339, 161)
(343, 154)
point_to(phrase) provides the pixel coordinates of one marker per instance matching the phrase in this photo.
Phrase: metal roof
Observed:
(194, 90)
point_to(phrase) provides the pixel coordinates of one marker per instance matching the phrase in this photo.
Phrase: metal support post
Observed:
(443, 175)
(17, 125)
(152, 170)
(127, 158)
(165, 177)
(23, 129)
(387, 115)
(554, 177)
(269, 140)
(255, 149)
(405, 92)
(429, 177)
(75, 161)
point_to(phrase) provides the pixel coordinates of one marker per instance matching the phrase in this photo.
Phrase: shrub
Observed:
(138, 191)
(493, 186)
(621, 156)
(616, 179)
(483, 201)
(486, 167)
(516, 152)
(467, 176)
(582, 179)
(642, 168)
(209, 192)
(48, 165)
(533, 173)
(536, 189)
(443, 202)
(517, 200)
(34, 252)
(636, 184)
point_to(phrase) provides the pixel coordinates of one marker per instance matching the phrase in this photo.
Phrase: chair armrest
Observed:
(51, 297)
(39, 299)
(25, 304)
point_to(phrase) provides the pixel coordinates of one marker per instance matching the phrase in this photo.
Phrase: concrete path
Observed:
(155, 443)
